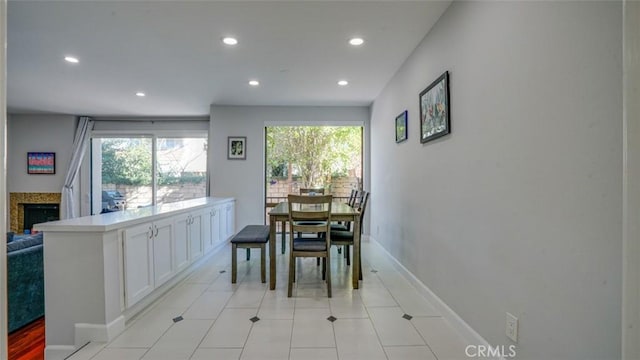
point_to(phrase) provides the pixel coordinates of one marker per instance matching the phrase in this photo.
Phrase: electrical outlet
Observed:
(512, 327)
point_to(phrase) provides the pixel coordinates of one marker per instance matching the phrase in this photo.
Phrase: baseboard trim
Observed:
(58, 352)
(469, 334)
(85, 333)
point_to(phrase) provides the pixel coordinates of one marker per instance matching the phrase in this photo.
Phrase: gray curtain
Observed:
(80, 141)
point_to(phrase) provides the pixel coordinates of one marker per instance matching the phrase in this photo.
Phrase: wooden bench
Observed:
(251, 236)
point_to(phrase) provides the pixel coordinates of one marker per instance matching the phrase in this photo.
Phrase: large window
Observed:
(137, 171)
(328, 157)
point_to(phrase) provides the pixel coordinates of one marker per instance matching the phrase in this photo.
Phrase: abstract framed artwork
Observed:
(41, 163)
(435, 119)
(401, 127)
(237, 148)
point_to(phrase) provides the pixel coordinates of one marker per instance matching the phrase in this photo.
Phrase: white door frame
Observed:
(3, 176)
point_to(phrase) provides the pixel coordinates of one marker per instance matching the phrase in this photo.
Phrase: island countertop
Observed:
(118, 219)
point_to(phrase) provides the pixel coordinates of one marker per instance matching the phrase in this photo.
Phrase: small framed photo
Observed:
(41, 163)
(237, 148)
(401, 127)
(434, 109)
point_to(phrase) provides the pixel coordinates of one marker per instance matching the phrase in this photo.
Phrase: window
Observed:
(328, 157)
(138, 171)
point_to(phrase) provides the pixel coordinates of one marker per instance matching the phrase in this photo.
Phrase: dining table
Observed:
(340, 211)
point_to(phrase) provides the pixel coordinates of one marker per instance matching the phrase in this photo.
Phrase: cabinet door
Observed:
(230, 220)
(138, 262)
(195, 236)
(207, 238)
(163, 268)
(215, 226)
(181, 242)
(224, 234)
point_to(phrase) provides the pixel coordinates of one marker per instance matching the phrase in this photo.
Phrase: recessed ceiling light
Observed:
(230, 41)
(356, 41)
(140, 94)
(254, 82)
(71, 59)
(343, 83)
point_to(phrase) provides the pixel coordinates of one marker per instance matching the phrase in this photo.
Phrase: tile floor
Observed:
(207, 317)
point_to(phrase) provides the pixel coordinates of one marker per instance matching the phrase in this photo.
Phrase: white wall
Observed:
(519, 209)
(28, 133)
(631, 244)
(244, 179)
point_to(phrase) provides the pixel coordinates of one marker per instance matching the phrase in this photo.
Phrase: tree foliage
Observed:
(126, 161)
(314, 152)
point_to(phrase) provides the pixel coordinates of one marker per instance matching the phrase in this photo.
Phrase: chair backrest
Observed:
(363, 207)
(358, 199)
(310, 191)
(352, 197)
(305, 210)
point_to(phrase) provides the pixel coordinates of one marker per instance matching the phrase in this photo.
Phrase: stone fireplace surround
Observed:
(16, 210)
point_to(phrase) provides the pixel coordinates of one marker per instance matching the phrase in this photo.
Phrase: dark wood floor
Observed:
(27, 343)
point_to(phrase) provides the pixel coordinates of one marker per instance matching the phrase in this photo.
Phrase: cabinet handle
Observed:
(150, 232)
(156, 234)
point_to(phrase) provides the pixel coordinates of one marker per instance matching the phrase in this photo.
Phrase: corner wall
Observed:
(519, 209)
(244, 179)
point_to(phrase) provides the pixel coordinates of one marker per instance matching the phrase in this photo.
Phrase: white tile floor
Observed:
(216, 317)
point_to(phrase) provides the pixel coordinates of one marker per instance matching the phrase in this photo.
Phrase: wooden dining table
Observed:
(339, 212)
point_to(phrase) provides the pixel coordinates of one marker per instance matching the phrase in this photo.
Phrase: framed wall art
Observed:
(401, 127)
(41, 163)
(237, 148)
(435, 119)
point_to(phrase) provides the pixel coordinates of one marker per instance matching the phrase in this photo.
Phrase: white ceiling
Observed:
(172, 51)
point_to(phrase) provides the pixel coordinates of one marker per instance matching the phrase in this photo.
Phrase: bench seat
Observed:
(251, 236)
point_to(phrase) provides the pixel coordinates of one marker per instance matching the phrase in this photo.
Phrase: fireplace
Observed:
(39, 213)
(17, 202)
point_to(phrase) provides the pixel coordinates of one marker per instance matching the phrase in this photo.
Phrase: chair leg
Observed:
(328, 261)
(234, 263)
(317, 261)
(324, 268)
(360, 271)
(263, 266)
(347, 254)
(292, 270)
(248, 254)
(284, 235)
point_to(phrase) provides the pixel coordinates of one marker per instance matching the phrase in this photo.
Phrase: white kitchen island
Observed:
(101, 270)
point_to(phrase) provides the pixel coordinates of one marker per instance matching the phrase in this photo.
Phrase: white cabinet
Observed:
(195, 236)
(147, 250)
(211, 228)
(189, 239)
(163, 268)
(231, 221)
(138, 262)
(181, 248)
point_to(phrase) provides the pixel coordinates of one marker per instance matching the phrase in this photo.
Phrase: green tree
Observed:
(126, 161)
(315, 152)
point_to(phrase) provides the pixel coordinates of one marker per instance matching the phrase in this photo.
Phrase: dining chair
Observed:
(310, 214)
(345, 237)
(354, 197)
(311, 191)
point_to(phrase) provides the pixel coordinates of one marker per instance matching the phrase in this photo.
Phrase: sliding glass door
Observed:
(137, 171)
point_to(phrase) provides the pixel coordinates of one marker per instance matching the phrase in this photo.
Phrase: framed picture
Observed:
(434, 109)
(401, 127)
(41, 163)
(237, 148)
